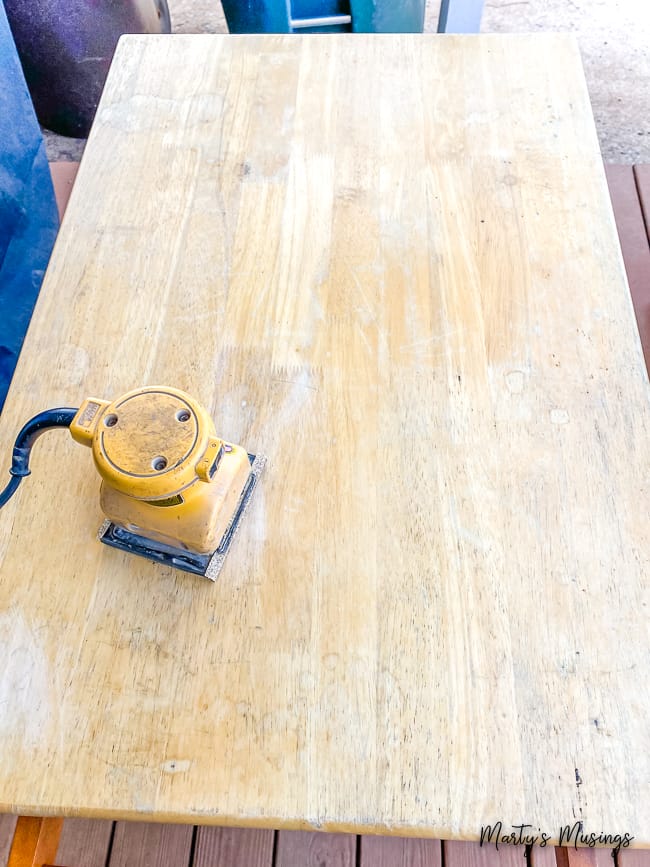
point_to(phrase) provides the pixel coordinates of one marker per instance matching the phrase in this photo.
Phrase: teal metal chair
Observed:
(359, 16)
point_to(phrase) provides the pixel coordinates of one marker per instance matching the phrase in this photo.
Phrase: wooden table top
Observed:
(389, 263)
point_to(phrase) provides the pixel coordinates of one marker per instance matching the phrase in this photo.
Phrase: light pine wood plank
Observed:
(233, 847)
(389, 263)
(84, 842)
(399, 852)
(313, 849)
(144, 844)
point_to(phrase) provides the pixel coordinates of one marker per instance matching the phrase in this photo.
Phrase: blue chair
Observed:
(359, 16)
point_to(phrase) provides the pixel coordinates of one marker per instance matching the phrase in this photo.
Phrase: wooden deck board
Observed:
(84, 842)
(634, 245)
(35, 841)
(634, 858)
(543, 856)
(63, 176)
(568, 857)
(642, 178)
(148, 844)
(313, 849)
(460, 854)
(233, 847)
(7, 827)
(399, 852)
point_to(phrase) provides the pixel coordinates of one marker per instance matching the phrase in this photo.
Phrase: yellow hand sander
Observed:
(172, 490)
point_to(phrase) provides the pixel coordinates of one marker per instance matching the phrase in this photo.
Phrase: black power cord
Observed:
(60, 417)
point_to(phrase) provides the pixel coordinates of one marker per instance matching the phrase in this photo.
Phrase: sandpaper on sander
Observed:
(172, 490)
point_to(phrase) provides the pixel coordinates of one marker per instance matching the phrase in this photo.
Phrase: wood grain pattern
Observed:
(390, 264)
(399, 852)
(145, 844)
(311, 849)
(84, 842)
(233, 847)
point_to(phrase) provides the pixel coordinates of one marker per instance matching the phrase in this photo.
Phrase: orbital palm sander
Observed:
(172, 490)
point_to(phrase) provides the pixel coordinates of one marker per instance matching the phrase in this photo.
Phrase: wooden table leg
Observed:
(35, 842)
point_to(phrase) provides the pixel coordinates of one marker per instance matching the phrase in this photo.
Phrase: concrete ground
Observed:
(614, 38)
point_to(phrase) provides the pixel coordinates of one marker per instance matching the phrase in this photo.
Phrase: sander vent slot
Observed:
(176, 500)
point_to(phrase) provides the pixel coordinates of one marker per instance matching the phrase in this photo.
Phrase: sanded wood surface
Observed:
(390, 264)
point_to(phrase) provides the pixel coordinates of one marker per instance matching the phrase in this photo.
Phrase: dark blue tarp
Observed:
(28, 215)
